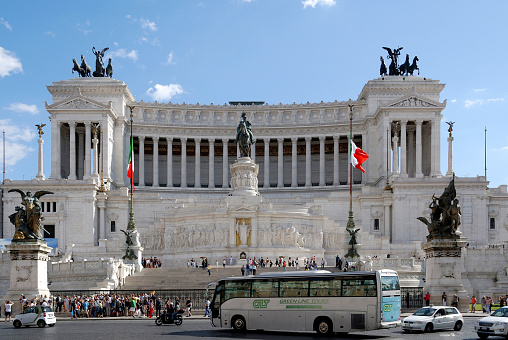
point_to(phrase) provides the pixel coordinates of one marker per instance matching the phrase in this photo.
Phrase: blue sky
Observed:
(278, 51)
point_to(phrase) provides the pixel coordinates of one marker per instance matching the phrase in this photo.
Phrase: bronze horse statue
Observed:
(86, 69)
(78, 68)
(414, 66)
(244, 139)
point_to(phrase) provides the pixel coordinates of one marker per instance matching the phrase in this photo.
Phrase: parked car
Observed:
(37, 315)
(427, 319)
(494, 324)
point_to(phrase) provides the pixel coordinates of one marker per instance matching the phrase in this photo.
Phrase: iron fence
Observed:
(411, 297)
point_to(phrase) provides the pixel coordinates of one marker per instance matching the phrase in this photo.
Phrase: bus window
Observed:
(264, 289)
(236, 289)
(325, 287)
(294, 288)
(390, 283)
(358, 287)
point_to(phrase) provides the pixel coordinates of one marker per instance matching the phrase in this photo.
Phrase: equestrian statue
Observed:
(244, 137)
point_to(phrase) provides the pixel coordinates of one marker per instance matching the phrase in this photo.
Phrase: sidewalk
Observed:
(67, 317)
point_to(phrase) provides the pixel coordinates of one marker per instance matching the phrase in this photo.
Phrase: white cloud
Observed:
(164, 92)
(5, 23)
(480, 90)
(453, 100)
(20, 107)
(150, 25)
(313, 3)
(9, 63)
(122, 53)
(490, 100)
(504, 148)
(52, 34)
(470, 103)
(170, 58)
(15, 137)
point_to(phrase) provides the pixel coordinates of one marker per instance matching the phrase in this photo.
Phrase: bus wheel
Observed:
(238, 323)
(323, 326)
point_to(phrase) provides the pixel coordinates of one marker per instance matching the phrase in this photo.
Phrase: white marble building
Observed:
(181, 203)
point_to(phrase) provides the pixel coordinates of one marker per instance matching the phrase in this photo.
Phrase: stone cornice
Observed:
(399, 85)
(90, 87)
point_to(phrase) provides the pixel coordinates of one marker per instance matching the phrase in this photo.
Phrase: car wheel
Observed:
(178, 320)
(323, 326)
(52, 325)
(16, 323)
(41, 323)
(429, 328)
(458, 326)
(158, 321)
(238, 324)
(482, 335)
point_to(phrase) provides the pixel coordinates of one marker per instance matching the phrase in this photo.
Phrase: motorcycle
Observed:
(168, 319)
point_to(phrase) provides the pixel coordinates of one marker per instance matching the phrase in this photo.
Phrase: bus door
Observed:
(215, 304)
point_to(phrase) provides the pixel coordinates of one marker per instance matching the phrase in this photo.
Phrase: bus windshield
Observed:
(390, 283)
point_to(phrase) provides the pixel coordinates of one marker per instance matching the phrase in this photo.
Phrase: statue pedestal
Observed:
(244, 177)
(444, 271)
(135, 249)
(29, 271)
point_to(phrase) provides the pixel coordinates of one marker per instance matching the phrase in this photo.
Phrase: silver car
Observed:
(495, 324)
(427, 319)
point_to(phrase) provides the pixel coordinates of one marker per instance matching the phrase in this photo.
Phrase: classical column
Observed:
(308, 178)
(197, 165)
(294, 162)
(184, 163)
(253, 151)
(169, 170)
(419, 173)
(395, 160)
(322, 161)
(101, 204)
(95, 174)
(267, 163)
(40, 173)
(141, 161)
(403, 152)
(81, 142)
(55, 150)
(336, 160)
(280, 163)
(211, 163)
(225, 164)
(411, 151)
(434, 159)
(155, 160)
(388, 225)
(72, 151)
(88, 142)
(450, 155)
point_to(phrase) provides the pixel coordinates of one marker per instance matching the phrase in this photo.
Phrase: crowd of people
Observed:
(151, 262)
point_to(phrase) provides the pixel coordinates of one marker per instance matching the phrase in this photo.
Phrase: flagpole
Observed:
(350, 222)
(132, 224)
(485, 154)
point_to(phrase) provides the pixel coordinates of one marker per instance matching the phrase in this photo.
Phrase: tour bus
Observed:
(318, 301)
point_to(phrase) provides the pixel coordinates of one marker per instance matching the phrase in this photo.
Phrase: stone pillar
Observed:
(388, 220)
(253, 151)
(40, 173)
(211, 163)
(88, 140)
(184, 163)
(225, 163)
(294, 162)
(101, 204)
(436, 157)
(280, 163)
(336, 160)
(450, 156)
(119, 149)
(169, 169)
(81, 142)
(267, 163)
(434, 145)
(56, 155)
(322, 161)
(308, 168)
(155, 160)
(197, 165)
(419, 173)
(395, 150)
(141, 161)
(411, 152)
(95, 174)
(72, 151)
(403, 150)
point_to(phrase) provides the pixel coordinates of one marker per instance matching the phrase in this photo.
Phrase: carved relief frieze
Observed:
(79, 104)
(413, 102)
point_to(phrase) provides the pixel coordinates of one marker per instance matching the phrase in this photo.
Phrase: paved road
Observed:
(195, 329)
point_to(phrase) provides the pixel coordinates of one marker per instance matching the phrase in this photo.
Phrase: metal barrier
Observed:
(411, 297)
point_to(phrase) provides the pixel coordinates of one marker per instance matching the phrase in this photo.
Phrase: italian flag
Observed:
(358, 156)
(130, 166)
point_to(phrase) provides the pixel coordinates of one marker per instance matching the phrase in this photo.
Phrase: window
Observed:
(237, 289)
(325, 287)
(49, 231)
(294, 288)
(376, 224)
(54, 206)
(48, 206)
(265, 289)
(113, 226)
(492, 223)
(359, 287)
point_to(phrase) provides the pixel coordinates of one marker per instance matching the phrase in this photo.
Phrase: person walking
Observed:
(188, 305)
(8, 310)
(443, 298)
(243, 270)
(427, 299)
(482, 302)
(207, 308)
(158, 306)
(473, 304)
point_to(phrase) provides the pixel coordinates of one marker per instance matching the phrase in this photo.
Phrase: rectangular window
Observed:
(42, 206)
(325, 287)
(49, 231)
(265, 289)
(113, 226)
(359, 287)
(48, 206)
(237, 289)
(54, 206)
(492, 223)
(376, 224)
(294, 288)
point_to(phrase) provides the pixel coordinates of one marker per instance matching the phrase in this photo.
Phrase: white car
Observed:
(494, 324)
(427, 319)
(37, 315)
